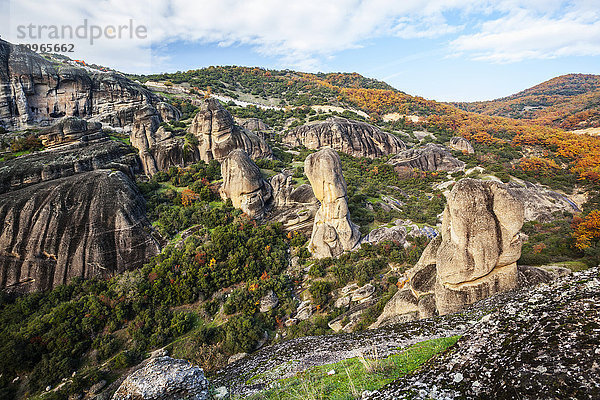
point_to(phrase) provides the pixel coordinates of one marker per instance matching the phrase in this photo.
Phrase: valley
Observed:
(271, 226)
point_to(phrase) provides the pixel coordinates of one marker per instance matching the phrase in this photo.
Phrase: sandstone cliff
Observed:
(461, 144)
(358, 139)
(35, 91)
(244, 185)
(333, 231)
(92, 224)
(474, 257)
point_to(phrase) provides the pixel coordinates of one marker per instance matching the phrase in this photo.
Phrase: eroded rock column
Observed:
(333, 231)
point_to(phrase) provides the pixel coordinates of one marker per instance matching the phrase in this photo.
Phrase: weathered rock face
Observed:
(255, 125)
(294, 207)
(431, 157)
(474, 257)
(461, 144)
(33, 91)
(67, 130)
(395, 234)
(244, 185)
(67, 160)
(158, 149)
(545, 340)
(358, 139)
(541, 203)
(218, 135)
(92, 224)
(165, 378)
(333, 231)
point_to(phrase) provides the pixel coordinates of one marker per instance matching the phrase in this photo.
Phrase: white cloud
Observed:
(304, 33)
(524, 35)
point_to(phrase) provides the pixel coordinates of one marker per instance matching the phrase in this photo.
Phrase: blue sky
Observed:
(440, 49)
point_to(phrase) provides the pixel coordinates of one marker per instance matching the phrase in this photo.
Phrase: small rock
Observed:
(220, 392)
(269, 302)
(331, 372)
(458, 377)
(236, 357)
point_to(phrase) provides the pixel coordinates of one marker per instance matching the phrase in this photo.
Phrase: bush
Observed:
(319, 291)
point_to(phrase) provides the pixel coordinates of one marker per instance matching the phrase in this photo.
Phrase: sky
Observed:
(445, 50)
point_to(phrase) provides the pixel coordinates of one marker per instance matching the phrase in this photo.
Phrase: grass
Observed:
(355, 375)
(572, 265)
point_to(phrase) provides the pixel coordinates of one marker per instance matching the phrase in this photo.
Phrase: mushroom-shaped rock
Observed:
(474, 257)
(218, 134)
(244, 185)
(333, 231)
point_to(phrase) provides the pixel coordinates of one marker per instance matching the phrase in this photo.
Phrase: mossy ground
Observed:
(355, 375)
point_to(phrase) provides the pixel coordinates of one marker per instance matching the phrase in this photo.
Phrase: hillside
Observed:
(569, 102)
(263, 235)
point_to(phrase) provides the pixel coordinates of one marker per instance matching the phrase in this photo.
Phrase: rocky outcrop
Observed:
(474, 257)
(255, 125)
(545, 340)
(67, 130)
(431, 157)
(218, 135)
(461, 144)
(396, 234)
(333, 231)
(81, 156)
(165, 378)
(294, 207)
(358, 139)
(36, 91)
(244, 185)
(541, 204)
(91, 224)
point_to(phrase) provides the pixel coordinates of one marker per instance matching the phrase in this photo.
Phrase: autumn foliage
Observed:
(587, 229)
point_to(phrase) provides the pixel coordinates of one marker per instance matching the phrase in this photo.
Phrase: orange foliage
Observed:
(586, 229)
(188, 197)
(538, 164)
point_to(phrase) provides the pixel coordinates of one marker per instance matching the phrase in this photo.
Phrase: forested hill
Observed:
(569, 101)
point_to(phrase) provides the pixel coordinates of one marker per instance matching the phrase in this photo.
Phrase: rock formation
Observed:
(165, 378)
(431, 157)
(541, 204)
(35, 91)
(68, 130)
(254, 125)
(333, 231)
(244, 185)
(461, 144)
(358, 139)
(294, 207)
(74, 158)
(218, 135)
(92, 224)
(474, 257)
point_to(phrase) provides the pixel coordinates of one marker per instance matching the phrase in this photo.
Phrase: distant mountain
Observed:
(569, 101)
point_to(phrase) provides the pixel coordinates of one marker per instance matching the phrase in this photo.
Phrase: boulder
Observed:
(218, 135)
(294, 207)
(268, 302)
(333, 231)
(255, 125)
(396, 233)
(89, 225)
(474, 257)
(244, 185)
(461, 144)
(165, 378)
(431, 157)
(358, 139)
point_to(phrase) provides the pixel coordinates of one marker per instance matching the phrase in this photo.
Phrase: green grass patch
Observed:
(355, 375)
